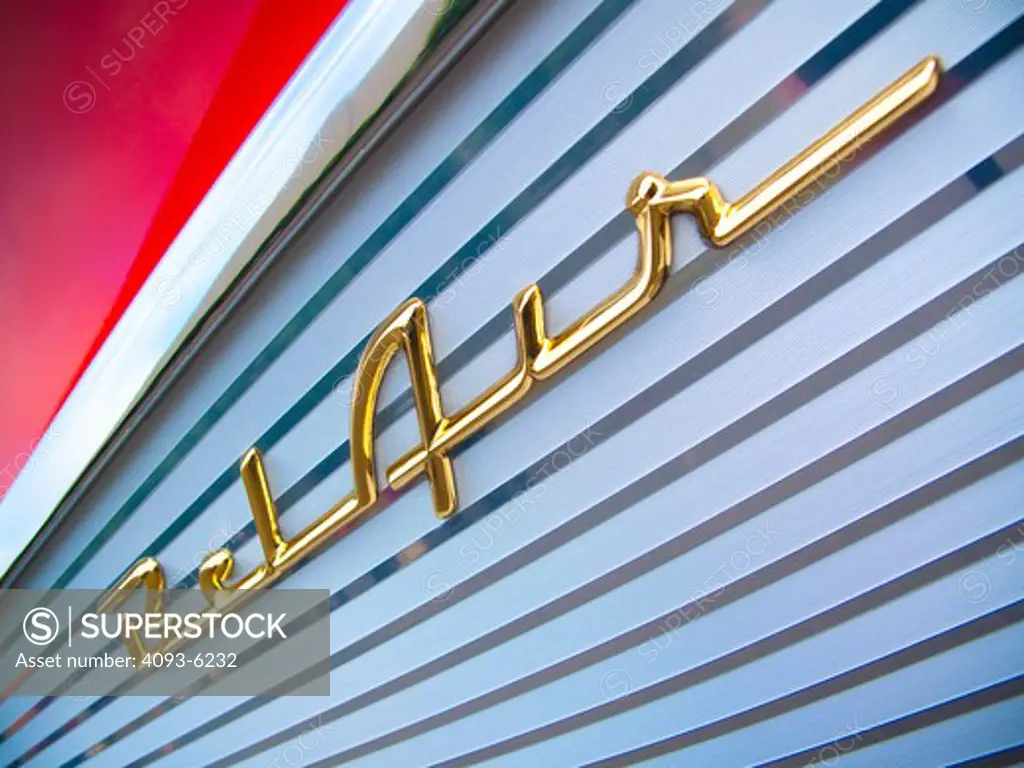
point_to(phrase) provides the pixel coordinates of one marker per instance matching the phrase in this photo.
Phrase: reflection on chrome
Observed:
(652, 200)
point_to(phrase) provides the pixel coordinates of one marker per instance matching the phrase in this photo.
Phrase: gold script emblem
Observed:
(652, 200)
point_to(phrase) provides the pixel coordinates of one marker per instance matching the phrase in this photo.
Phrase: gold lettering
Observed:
(652, 200)
(217, 567)
(150, 575)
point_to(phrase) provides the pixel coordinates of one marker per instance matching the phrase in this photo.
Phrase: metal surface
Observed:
(161, 331)
(777, 520)
(651, 200)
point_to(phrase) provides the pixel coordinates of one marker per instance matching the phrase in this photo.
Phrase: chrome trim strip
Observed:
(373, 46)
(911, 224)
(756, 116)
(715, 445)
(940, 713)
(886, 665)
(432, 185)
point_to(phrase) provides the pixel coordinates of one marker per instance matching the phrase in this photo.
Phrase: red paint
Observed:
(116, 116)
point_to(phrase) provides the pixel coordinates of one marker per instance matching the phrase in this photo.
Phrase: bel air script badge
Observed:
(652, 200)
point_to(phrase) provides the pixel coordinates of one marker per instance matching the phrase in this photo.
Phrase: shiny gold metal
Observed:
(539, 356)
(723, 222)
(150, 575)
(652, 200)
(217, 566)
(407, 329)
